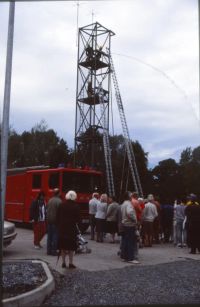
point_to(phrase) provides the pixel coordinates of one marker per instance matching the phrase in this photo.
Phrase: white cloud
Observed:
(158, 76)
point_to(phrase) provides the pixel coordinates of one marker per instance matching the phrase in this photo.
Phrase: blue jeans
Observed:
(180, 232)
(128, 251)
(52, 239)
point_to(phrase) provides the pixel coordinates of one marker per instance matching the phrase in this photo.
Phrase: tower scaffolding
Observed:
(93, 96)
(94, 69)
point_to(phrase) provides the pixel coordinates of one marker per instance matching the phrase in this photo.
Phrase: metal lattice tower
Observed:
(92, 92)
(127, 140)
(94, 70)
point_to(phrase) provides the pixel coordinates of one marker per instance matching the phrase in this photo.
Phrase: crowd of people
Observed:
(138, 222)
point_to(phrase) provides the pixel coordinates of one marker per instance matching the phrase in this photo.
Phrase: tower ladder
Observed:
(106, 146)
(128, 144)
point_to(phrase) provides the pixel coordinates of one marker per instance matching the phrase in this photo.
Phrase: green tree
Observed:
(186, 156)
(121, 169)
(196, 154)
(59, 154)
(15, 149)
(40, 146)
(121, 174)
(167, 180)
(190, 170)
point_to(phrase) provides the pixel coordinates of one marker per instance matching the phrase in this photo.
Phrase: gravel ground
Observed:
(171, 283)
(20, 277)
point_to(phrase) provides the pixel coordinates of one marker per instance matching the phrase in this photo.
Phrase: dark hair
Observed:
(114, 198)
(135, 194)
(126, 196)
(41, 193)
(56, 191)
(181, 200)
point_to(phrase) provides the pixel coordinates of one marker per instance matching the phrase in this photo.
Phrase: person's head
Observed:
(141, 200)
(104, 198)
(150, 197)
(95, 195)
(56, 192)
(183, 200)
(192, 197)
(112, 199)
(134, 195)
(41, 195)
(178, 201)
(71, 195)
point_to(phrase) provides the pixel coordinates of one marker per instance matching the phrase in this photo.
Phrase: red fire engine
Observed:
(23, 185)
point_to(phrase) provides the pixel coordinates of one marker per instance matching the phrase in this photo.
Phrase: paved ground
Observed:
(103, 255)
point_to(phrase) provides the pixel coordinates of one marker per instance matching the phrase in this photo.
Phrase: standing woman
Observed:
(111, 218)
(101, 217)
(68, 216)
(192, 212)
(38, 217)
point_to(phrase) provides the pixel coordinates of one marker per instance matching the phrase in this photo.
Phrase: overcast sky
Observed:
(155, 52)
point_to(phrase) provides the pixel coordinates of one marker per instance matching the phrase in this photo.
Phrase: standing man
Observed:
(149, 214)
(138, 210)
(38, 217)
(156, 222)
(167, 215)
(89, 53)
(111, 217)
(100, 217)
(179, 217)
(92, 211)
(129, 222)
(136, 204)
(52, 236)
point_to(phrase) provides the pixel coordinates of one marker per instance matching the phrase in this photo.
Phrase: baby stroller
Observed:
(82, 244)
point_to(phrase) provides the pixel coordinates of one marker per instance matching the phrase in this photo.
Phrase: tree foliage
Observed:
(186, 156)
(168, 180)
(121, 170)
(173, 179)
(190, 170)
(40, 146)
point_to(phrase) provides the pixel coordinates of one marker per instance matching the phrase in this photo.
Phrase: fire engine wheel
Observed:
(83, 227)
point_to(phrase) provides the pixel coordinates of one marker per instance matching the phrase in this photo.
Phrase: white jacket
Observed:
(128, 214)
(149, 212)
(101, 210)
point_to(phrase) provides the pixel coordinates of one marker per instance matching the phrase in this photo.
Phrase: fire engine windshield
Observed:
(81, 182)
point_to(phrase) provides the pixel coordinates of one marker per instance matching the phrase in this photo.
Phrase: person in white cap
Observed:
(67, 219)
